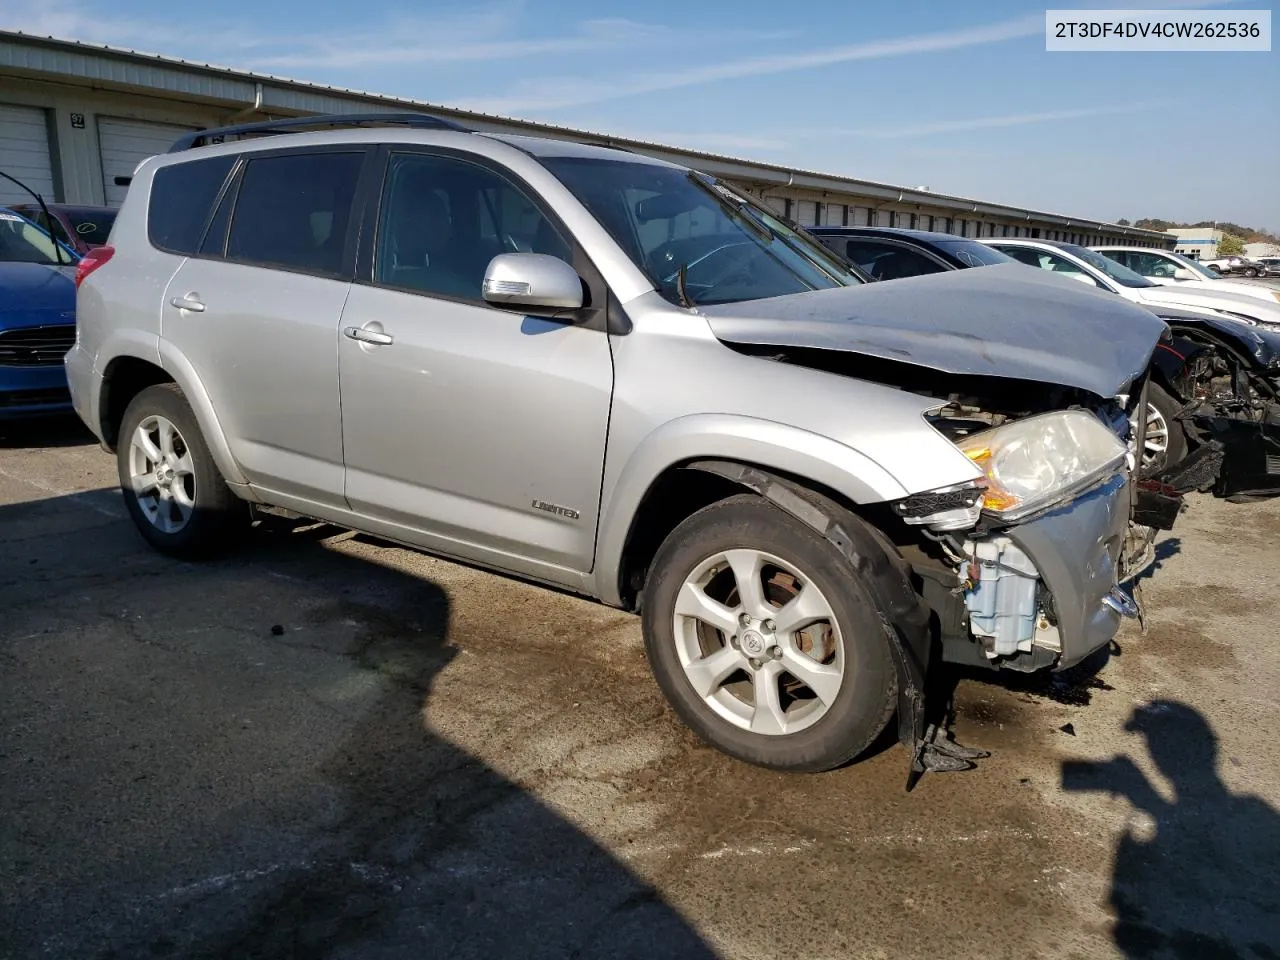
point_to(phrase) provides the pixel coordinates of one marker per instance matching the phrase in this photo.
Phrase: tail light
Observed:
(92, 260)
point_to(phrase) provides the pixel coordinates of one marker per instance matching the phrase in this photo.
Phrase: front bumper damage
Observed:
(1047, 592)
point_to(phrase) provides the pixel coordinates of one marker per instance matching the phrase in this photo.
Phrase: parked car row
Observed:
(617, 376)
(1240, 266)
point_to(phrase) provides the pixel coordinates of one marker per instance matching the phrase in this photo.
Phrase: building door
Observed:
(123, 144)
(24, 153)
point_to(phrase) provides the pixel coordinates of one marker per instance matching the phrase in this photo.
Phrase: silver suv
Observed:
(624, 378)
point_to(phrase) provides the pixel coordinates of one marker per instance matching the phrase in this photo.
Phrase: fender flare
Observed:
(730, 437)
(176, 364)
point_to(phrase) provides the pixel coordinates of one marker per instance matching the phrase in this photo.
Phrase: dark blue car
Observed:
(37, 319)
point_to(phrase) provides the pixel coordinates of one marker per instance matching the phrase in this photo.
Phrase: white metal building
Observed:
(1198, 243)
(76, 119)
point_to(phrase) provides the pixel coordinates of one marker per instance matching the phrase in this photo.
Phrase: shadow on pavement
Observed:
(1202, 884)
(60, 431)
(292, 800)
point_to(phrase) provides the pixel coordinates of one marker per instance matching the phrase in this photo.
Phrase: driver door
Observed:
(467, 428)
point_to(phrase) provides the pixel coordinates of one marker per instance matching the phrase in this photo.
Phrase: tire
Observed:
(813, 730)
(181, 505)
(1162, 408)
(1250, 273)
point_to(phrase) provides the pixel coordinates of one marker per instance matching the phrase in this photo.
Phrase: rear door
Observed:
(256, 312)
(471, 429)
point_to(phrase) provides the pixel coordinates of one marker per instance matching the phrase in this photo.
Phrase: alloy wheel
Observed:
(758, 642)
(162, 474)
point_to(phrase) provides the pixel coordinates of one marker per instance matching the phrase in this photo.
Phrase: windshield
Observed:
(973, 254)
(1199, 269)
(666, 218)
(21, 241)
(1117, 272)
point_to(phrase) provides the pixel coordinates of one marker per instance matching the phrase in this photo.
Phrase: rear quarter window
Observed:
(181, 198)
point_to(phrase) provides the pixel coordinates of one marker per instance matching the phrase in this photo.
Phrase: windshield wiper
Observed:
(681, 290)
(57, 247)
(737, 210)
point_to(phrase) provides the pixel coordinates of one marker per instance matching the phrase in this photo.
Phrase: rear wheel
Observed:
(763, 641)
(172, 488)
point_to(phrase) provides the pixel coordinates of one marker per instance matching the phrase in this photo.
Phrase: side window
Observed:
(293, 210)
(1047, 261)
(181, 196)
(442, 220)
(888, 261)
(1151, 265)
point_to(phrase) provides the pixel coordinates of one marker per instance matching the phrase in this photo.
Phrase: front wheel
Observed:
(764, 642)
(1166, 440)
(1250, 272)
(172, 488)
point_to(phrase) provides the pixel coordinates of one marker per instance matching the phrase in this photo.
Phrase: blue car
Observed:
(37, 319)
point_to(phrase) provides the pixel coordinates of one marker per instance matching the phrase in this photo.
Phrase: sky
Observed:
(959, 97)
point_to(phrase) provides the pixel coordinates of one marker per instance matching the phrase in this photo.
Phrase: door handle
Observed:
(369, 336)
(189, 302)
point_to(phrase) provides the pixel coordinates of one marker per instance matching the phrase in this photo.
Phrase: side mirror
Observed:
(533, 282)
(1184, 273)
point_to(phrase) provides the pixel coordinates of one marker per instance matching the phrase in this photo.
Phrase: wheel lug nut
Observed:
(744, 619)
(769, 625)
(755, 664)
(733, 641)
(775, 652)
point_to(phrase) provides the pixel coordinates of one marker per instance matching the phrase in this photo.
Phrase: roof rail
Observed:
(422, 121)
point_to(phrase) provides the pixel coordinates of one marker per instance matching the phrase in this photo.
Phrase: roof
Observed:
(117, 67)
(932, 236)
(545, 147)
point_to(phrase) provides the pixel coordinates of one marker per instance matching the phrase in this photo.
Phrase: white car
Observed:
(1173, 269)
(1081, 263)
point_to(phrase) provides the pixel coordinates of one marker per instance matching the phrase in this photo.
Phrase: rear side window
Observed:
(293, 210)
(181, 196)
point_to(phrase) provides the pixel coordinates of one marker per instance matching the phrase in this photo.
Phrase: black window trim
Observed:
(230, 186)
(596, 315)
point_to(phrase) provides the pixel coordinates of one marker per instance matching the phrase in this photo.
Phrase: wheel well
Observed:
(678, 493)
(123, 380)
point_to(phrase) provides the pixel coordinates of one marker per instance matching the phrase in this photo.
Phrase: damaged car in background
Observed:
(1214, 379)
(813, 489)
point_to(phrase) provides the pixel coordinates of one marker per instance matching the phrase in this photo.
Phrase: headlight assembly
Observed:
(1033, 463)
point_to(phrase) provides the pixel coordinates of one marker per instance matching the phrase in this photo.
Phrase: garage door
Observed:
(125, 144)
(24, 153)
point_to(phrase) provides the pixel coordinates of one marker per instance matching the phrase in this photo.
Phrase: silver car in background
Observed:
(623, 378)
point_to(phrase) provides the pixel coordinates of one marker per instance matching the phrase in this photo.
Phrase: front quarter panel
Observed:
(682, 395)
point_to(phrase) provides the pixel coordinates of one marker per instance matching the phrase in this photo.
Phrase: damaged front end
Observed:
(1024, 568)
(1230, 385)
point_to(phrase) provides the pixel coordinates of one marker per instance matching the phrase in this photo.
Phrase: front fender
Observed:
(176, 364)
(762, 443)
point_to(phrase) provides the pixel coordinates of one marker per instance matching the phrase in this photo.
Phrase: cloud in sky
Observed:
(552, 94)
(992, 123)
(482, 33)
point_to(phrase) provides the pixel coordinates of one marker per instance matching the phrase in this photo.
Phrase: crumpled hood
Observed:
(999, 321)
(32, 294)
